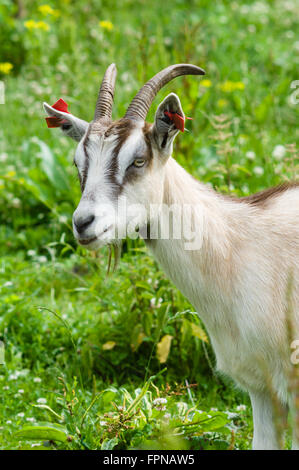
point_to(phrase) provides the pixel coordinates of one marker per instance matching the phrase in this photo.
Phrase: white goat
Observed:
(249, 247)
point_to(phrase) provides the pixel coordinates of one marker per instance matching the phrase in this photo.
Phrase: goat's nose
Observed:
(81, 223)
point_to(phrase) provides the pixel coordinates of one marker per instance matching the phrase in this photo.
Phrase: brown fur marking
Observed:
(262, 197)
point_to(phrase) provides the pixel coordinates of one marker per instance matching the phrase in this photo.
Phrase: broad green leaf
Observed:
(46, 431)
(52, 167)
(109, 444)
(163, 348)
(215, 422)
(198, 332)
(108, 345)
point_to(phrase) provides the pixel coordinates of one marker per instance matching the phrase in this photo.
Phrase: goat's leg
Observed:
(264, 432)
(295, 443)
(294, 419)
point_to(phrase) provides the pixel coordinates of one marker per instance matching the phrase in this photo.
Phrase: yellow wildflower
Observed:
(48, 10)
(229, 86)
(6, 67)
(31, 24)
(240, 86)
(106, 25)
(221, 103)
(10, 174)
(206, 83)
(42, 25)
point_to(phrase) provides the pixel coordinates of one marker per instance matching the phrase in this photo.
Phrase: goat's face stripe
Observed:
(105, 160)
(110, 176)
(86, 161)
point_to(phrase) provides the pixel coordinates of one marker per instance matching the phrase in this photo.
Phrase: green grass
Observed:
(80, 346)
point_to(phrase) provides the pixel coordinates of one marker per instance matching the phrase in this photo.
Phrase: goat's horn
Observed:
(140, 105)
(106, 94)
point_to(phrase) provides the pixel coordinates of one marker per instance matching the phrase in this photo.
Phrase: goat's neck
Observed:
(203, 272)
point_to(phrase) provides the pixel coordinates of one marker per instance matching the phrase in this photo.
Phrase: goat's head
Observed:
(122, 162)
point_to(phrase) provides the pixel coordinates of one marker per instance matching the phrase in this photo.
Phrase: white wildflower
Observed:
(250, 155)
(244, 9)
(251, 28)
(16, 202)
(241, 408)
(13, 377)
(42, 401)
(7, 284)
(63, 219)
(290, 34)
(168, 41)
(31, 253)
(159, 401)
(231, 415)
(279, 152)
(260, 7)
(3, 157)
(21, 415)
(37, 380)
(258, 170)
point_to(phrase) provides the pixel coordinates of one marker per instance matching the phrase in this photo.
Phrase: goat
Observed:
(237, 279)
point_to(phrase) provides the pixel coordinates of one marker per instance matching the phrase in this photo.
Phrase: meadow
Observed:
(122, 361)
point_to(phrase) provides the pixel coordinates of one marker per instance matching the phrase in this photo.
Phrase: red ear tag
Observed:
(54, 121)
(178, 120)
(61, 105)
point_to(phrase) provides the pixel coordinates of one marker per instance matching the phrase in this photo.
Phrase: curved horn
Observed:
(106, 94)
(140, 105)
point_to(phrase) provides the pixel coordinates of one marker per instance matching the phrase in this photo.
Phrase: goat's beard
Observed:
(114, 252)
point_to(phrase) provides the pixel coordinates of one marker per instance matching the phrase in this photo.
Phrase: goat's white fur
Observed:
(238, 284)
(237, 281)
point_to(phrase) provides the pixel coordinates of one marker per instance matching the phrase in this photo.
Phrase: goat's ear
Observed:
(165, 129)
(71, 125)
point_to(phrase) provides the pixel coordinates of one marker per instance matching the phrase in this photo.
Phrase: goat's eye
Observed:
(139, 162)
(66, 126)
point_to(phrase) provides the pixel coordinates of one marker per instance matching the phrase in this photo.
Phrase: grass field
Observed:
(89, 360)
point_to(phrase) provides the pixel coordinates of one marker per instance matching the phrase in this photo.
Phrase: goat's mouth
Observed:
(86, 241)
(98, 238)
